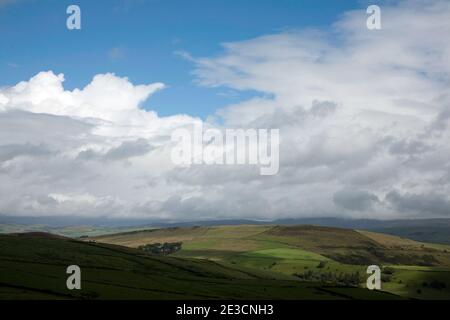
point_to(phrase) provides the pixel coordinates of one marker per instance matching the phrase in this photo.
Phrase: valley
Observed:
(311, 253)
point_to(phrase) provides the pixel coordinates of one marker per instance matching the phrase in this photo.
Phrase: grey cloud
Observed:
(422, 205)
(8, 152)
(441, 120)
(125, 150)
(207, 175)
(409, 147)
(355, 200)
(17, 127)
(129, 149)
(88, 155)
(296, 116)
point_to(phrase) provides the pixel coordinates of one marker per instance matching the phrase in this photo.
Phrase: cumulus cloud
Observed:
(106, 98)
(363, 118)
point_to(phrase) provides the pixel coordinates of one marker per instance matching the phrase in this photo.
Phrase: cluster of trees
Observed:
(161, 249)
(335, 278)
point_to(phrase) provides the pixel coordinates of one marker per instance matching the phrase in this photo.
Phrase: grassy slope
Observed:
(286, 250)
(32, 266)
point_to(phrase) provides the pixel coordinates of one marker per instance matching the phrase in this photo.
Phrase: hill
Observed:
(425, 230)
(311, 253)
(34, 266)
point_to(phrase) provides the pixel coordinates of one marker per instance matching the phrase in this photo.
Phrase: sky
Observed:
(140, 40)
(86, 116)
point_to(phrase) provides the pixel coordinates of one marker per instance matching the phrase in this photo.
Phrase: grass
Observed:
(33, 266)
(282, 251)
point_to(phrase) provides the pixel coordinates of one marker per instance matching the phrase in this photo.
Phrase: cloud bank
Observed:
(363, 118)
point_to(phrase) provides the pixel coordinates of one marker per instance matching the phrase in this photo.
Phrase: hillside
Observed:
(425, 230)
(344, 245)
(311, 253)
(33, 266)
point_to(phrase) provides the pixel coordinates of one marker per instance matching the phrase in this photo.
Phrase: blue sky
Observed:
(138, 39)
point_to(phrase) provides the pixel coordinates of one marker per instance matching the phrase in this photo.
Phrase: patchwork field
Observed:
(311, 254)
(33, 266)
(224, 262)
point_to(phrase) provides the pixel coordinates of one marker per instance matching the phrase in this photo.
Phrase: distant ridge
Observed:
(425, 230)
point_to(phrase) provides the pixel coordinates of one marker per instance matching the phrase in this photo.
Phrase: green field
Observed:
(224, 262)
(33, 266)
(311, 254)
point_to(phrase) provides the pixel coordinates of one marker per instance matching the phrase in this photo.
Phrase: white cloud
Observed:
(363, 118)
(107, 98)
